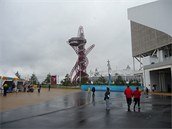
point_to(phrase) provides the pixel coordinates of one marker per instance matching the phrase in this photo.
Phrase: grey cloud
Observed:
(33, 35)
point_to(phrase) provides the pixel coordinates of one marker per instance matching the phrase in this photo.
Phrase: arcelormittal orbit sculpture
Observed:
(78, 73)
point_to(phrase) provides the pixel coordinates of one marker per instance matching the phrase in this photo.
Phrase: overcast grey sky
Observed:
(33, 35)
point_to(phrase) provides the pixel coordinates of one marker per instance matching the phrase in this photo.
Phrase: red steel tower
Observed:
(78, 73)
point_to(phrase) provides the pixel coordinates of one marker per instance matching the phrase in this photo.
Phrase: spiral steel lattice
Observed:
(78, 73)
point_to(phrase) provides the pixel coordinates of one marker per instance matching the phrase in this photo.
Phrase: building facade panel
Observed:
(155, 14)
(146, 39)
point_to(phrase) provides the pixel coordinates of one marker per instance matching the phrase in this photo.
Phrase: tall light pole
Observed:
(109, 72)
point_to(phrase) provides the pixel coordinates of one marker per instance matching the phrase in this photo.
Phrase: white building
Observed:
(151, 34)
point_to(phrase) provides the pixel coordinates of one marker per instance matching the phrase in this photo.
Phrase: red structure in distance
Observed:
(53, 79)
(78, 73)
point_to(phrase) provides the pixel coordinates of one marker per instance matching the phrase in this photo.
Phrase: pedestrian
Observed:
(49, 86)
(93, 90)
(107, 97)
(14, 87)
(154, 85)
(137, 95)
(89, 90)
(153, 88)
(147, 90)
(24, 88)
(128, 93)
(39, 88)
(5, 89)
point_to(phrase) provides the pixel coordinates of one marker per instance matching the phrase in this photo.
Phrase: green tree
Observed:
(47, 79)
(130, 82)
(34, 79)
(119, 81)
(66, 81)
(134, 82)
(101, 80)
(84, 80)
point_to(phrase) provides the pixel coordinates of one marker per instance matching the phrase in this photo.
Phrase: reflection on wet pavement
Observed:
(82, 110)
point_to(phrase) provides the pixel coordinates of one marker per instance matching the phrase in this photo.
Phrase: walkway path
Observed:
(77, 109)
(20, 99)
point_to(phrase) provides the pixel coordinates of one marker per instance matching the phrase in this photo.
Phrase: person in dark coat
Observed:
(107, 97)
(13, 86)
(5, 86)
(39, 88)
(147, 90)
(93, 90)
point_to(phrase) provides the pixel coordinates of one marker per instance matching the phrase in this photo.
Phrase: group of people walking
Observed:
(93, 91)
(130, 95)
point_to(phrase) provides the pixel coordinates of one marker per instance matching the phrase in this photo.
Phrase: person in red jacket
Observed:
(137, 95)
(128, 93)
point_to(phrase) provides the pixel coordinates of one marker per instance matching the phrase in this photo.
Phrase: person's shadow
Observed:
(93, 100)
(107, 118)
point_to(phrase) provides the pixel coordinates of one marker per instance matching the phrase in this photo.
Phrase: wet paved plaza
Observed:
(81, 110)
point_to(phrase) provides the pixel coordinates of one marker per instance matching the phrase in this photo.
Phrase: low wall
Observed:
(112, 88)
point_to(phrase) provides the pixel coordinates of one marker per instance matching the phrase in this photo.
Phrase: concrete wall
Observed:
(146, 76)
